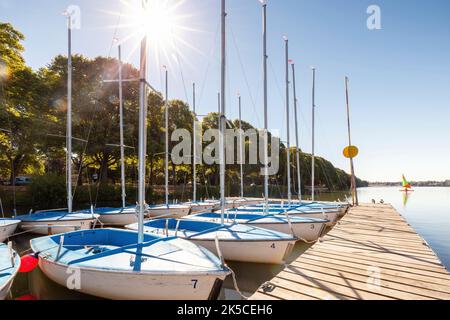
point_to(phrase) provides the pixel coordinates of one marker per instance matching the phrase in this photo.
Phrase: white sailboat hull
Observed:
(304, 231)
(135, 286)
(7, 230)
(120, 219)
(163, 212)
(267, 252)
(55, 226)
(331, 216)
(8, 272)
(5, 289)
(201, 208)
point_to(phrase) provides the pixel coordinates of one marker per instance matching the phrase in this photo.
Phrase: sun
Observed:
(159, 20)
(165, 23)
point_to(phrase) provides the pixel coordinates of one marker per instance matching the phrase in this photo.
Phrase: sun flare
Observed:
(159, 20)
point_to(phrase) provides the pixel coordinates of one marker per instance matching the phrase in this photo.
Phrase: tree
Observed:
(20, 105)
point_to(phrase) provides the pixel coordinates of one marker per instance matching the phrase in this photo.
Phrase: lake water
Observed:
(426, 209)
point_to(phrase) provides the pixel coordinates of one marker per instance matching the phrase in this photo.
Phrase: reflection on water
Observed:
(426, 209)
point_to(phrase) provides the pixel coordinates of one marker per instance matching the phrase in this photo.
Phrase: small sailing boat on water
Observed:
(7, 228)
(307, 205)
(196, 205)
(9, 267)
(114, 265)
(331, 215)
(236, 242)
(307, 229)
(121, 264)
(168, 210)
(118, 217)
(59, 221)
(407, 187)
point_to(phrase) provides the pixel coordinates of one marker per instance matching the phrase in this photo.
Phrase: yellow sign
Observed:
(351, 152)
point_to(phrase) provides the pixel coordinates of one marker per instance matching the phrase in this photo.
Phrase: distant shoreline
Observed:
(414, 184)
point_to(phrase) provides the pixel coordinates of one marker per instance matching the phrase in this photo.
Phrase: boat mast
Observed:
(266, 123)
(299, 177)
(313, 137)
(166, 119)
(288, 149)
(142, 133)
(194, 164)
(222, 111)
(352, 168)
(69, 116)
(122, 142)
(241, 151)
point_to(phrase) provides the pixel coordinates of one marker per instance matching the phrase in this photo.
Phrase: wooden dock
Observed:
(371, 254)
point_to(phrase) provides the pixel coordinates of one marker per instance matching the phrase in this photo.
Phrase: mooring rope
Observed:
(233, 275)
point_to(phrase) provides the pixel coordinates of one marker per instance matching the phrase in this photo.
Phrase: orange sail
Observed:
(406, 184)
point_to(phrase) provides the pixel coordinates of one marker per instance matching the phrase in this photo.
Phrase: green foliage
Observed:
(47, 192)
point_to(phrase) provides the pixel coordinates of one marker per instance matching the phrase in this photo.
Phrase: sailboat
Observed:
(242, 200)
(328, 210)
(236, 242)
(172, 210)
(9, 267)
(195, 205)
(309, 229)
(407, 187)
(7, 228)
(126, 214)
(303, 211)
(121, 264)
(61, 220)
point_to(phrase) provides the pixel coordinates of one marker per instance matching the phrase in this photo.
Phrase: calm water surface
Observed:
(426, 209)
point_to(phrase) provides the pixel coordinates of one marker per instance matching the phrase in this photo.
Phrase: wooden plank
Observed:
(338, 267)
(304, 287)
(371, 250)
(386, 268)
(371, 258)
(389, 288)
(432, 290)
(280, 293)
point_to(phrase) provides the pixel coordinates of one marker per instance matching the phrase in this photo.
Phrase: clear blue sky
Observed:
(399, 76)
